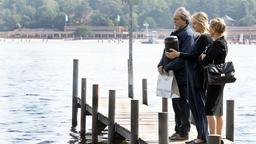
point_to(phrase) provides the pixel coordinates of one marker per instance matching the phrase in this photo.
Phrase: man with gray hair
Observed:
(181, 19)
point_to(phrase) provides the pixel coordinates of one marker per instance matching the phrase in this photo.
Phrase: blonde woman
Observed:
(215, 53)
(196, 89)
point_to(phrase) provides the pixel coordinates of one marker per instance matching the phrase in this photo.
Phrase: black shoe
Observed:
(178, 137)
(222, 142)
(195, 142)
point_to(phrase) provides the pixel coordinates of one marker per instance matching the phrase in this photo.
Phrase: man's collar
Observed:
(176, 32)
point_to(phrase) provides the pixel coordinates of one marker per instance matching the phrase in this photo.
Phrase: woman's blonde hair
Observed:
(202, 18)
(218, 25)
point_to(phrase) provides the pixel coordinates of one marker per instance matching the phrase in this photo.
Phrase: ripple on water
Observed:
(6, 96)
(46, 142)
(14, 130)
(31, 94)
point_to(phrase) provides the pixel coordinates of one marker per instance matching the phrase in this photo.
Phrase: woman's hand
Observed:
(172, 54)
(202, 56)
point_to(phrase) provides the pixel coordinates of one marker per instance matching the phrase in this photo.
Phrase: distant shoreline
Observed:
(118, 41)
(240, 35)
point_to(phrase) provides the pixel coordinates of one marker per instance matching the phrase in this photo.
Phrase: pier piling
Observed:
(130, 79)
(214, 139)
(111, 116)
(144, 92)
(74, 93)
(95, 98)
(83, 110)
(134, 121)
(230, 120)
(163, 127)
(164, 104)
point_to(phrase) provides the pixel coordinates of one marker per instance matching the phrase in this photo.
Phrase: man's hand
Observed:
(161, 70)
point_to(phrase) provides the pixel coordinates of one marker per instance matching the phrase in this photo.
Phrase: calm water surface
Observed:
(36, 85)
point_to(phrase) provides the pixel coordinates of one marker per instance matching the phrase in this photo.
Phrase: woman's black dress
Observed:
(215, 53)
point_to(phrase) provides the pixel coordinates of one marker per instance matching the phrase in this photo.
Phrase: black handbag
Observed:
(219, 74)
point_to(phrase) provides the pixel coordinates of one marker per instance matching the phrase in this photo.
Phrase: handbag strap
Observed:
(226, 49)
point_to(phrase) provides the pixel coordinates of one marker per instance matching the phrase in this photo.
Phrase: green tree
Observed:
(59, 21)
(82, 31)
(9, 19)
(50, 13)
(99, 19)
(82, 12)
(47, 13)
(248, 20)
(150, 21)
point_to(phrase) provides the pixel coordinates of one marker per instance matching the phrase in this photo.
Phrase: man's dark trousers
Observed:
(181, 110)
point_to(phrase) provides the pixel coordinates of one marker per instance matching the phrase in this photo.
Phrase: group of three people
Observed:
(198, 48)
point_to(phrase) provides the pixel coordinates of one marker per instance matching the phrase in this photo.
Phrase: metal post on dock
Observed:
(83, 102)
(164, 104)
(111, 116)
(74, 93)
(95, 98)
(214, 139)
(130, 79)
(230, 120)
(144, 92)
(130, 61)
(134, 121)
(163, 127)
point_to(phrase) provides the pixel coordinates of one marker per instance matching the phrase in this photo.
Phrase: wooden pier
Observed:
(126, 118)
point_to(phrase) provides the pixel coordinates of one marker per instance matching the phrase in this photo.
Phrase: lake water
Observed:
(36, 85)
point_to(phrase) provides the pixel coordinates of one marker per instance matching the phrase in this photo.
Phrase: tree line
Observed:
(157, 13)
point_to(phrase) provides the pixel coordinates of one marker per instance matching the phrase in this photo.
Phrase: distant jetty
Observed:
(241, 35)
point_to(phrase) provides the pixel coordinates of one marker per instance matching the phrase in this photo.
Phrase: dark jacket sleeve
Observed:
(199, 48)
(161, 63)
(185, 44)
(214, 51)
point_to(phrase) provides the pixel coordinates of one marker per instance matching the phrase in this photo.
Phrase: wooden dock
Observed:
(126, 118)
(148, 120)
